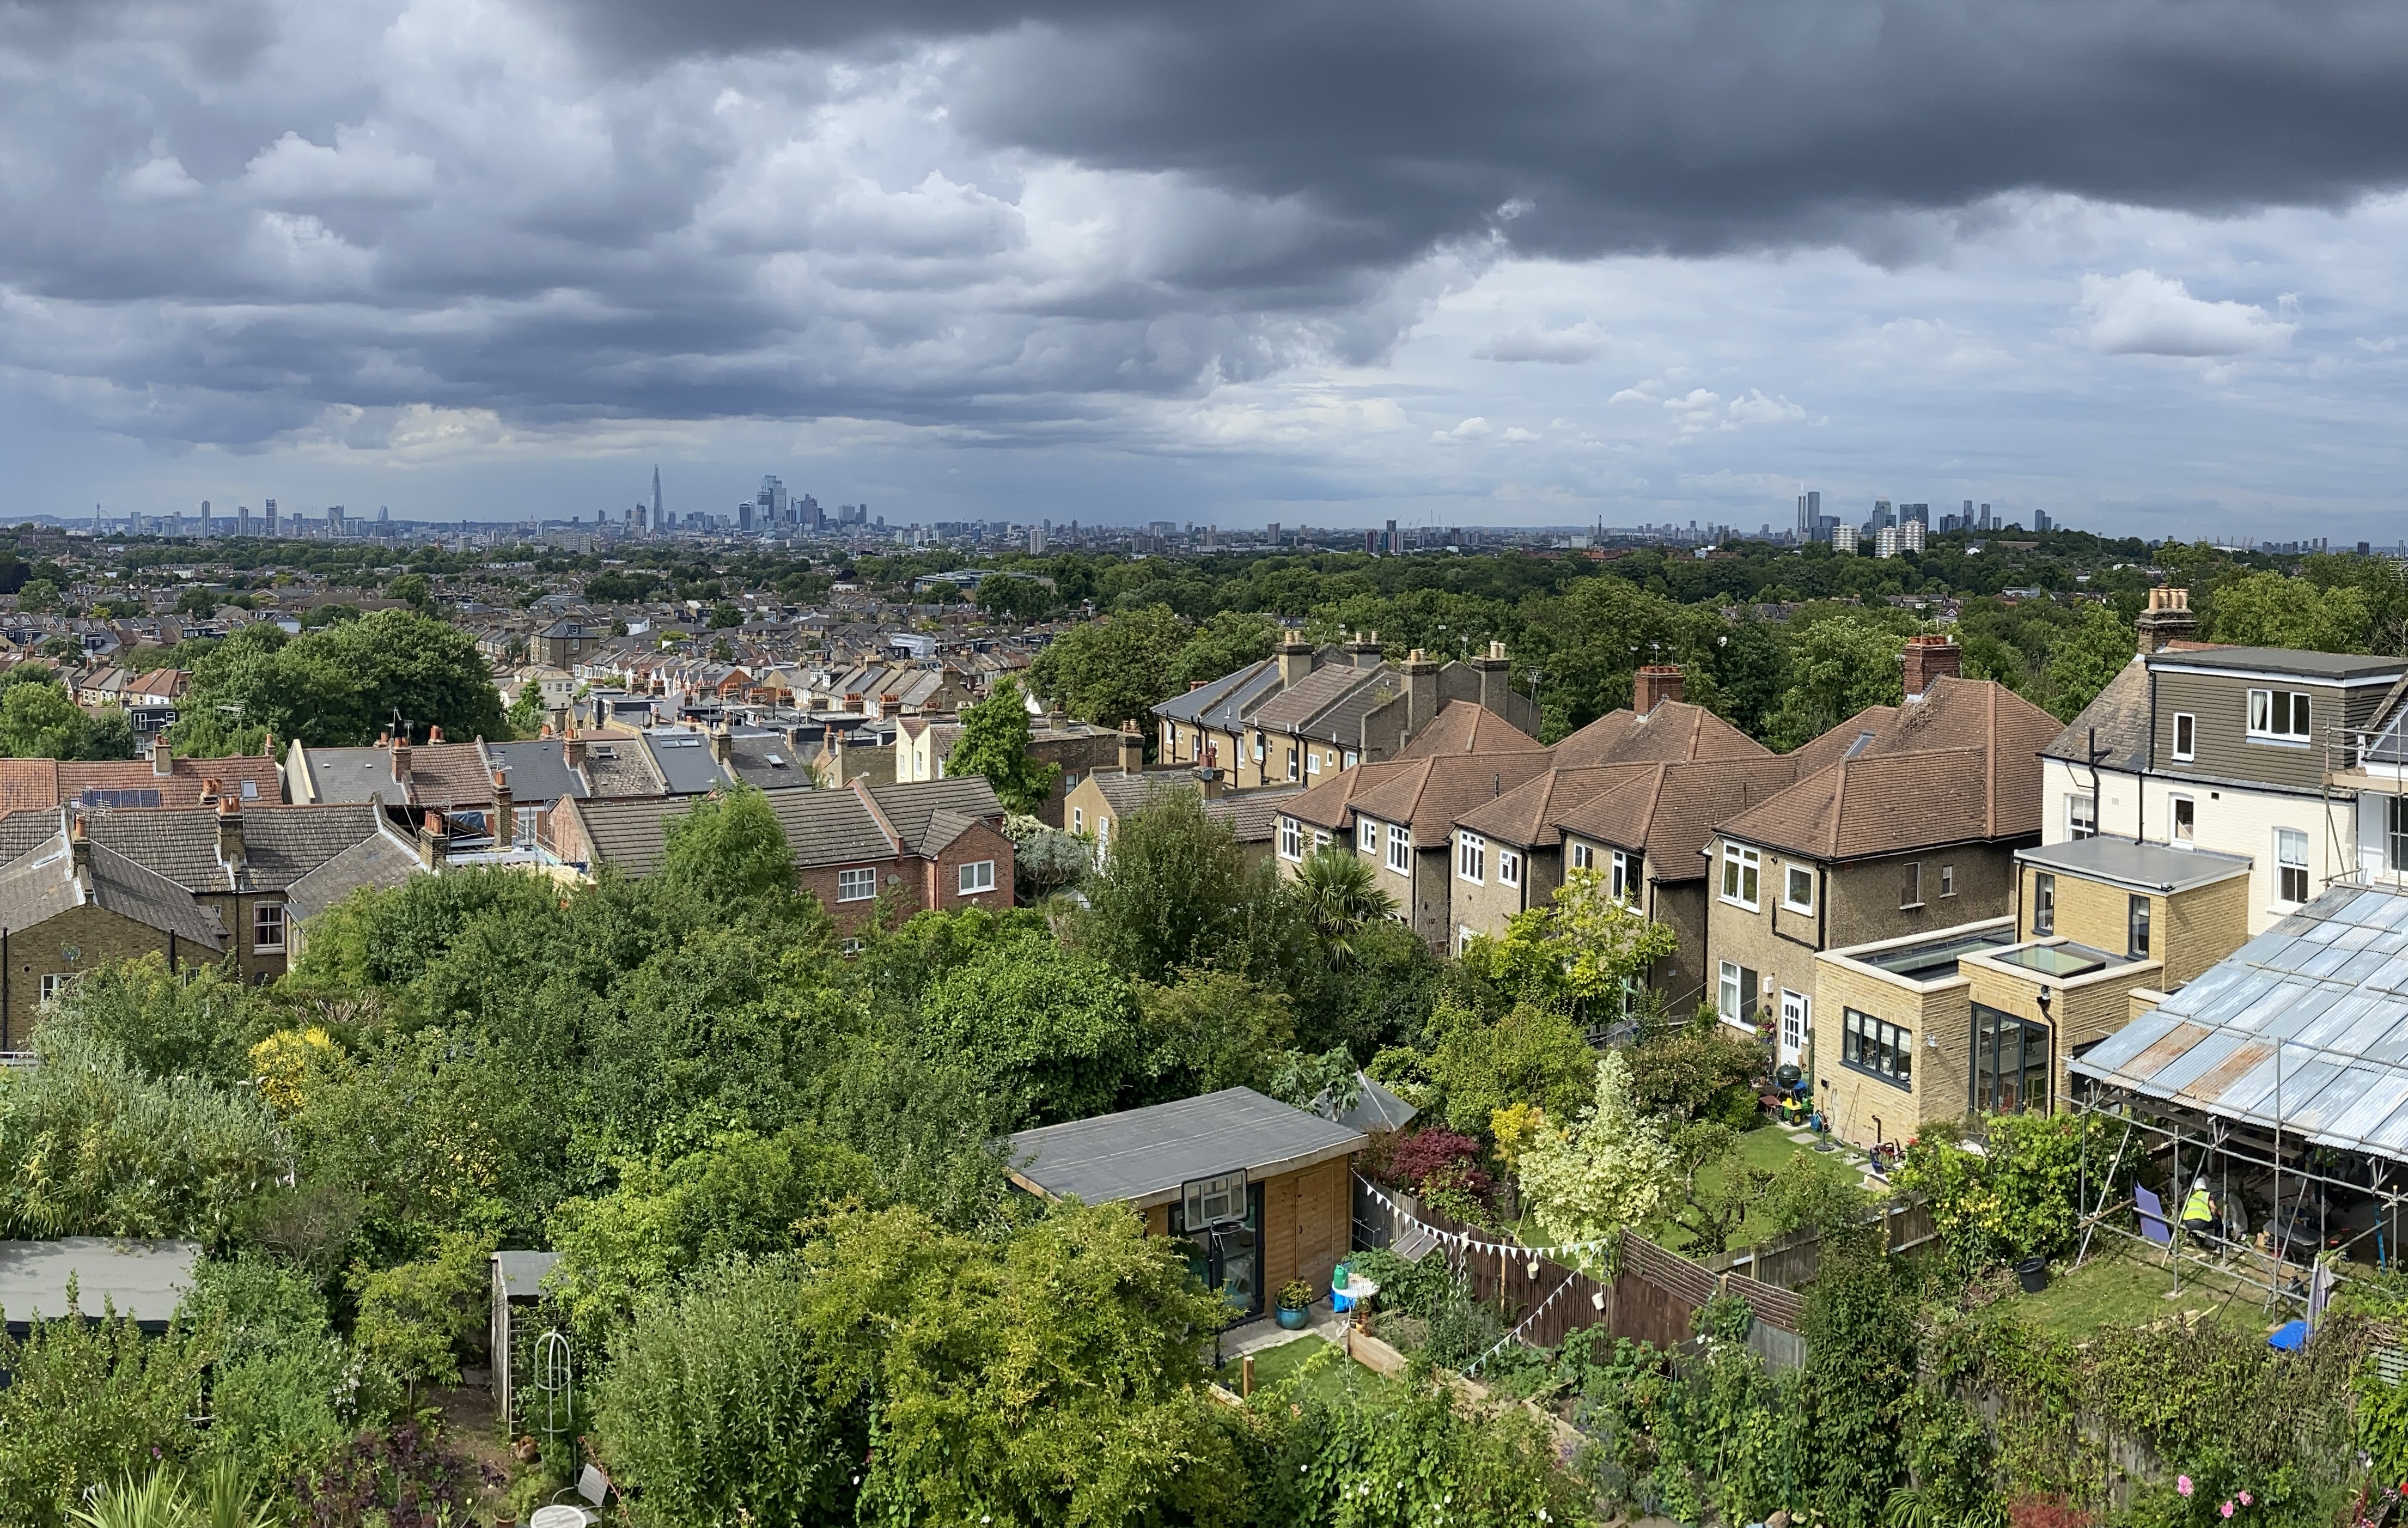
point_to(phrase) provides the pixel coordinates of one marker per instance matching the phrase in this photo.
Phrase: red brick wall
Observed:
(943, 881)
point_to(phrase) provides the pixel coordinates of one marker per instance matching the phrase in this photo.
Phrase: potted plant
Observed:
(1295, 1304)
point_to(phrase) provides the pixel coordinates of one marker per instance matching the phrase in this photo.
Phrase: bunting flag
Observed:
(1468, 1243)
(1515, 1335)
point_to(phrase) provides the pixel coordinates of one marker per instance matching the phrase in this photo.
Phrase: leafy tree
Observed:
(1015, 598)
(1837, 666)
(711, 1411)
(1420, 1451)
(1582, 952)
(1533, 1054)
(2082, 660)
(525, 714)
(196, 1021)
(1703, 1070)
(1113, 670)
(1050, 1027)
(199, 600)
(1224, 643)
(741, 1195)
(994, 744)
(1058, 1383)
(2269, 609)
(1609, 1169)
(339, 686)
(1860, 1366)
(40, 720)
(88, 1402)
(40, 595)
(413, 1317)
(729, 850)
(414, 590)
(1045, 860)
(1209, 1031)
(1176, 891)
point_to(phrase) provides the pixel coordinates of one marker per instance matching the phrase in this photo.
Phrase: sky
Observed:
(2136, 263)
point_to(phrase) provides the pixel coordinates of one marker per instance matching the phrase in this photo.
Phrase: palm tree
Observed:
(1339, 895)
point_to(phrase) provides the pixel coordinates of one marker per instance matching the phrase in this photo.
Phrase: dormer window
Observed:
(2278, 716)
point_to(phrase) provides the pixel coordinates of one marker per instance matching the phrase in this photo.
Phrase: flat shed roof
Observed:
(2141, 867)
(146, 1281)
(1143, 1155)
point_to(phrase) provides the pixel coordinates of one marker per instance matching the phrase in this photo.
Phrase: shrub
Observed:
(401, 1477)
(87, 1404)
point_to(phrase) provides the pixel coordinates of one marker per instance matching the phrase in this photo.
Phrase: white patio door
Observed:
(1794, 1009)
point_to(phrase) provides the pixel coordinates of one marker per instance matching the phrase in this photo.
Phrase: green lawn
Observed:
(1767, 1148)
(2116, 1285)
(1285, 1363)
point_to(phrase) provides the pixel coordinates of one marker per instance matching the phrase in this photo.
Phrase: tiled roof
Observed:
(1669, 811)
(2118, 714)
(822, 827)
(1427, 795)
(378, 860)
(1466, 727)
(1295, 707)
(912, 807)
(1844, 741)
(280, 843)
(70, 779)
(1331, 803)
(1876, 804)
(1240, 688)
(1253, 815)
(1674, 730)
(1528, 813)
(40, 882)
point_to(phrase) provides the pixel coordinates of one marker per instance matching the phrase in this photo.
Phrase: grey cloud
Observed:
(229, 216)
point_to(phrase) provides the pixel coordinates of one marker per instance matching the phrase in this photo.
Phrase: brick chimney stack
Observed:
(1654, 685)
(163, 758)
(1496, 677)
(1929, 657)
(1132, 749)
(230, 831)
(505, 818)
(1364, 650)
(572, 750)
(1295, 659)
(401, 762)
(434, 841)
(80, 845)
(1421, 691)
(2168, 619)
(1210, 780)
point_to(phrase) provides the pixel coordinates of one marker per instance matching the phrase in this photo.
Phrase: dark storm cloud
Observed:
(227, 218)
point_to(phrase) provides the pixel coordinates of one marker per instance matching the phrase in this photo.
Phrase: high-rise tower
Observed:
(657, 521)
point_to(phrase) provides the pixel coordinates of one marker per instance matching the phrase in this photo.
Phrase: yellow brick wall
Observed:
(2207, 924)
(95, 936)
(1862, 1108)
(2090, 913)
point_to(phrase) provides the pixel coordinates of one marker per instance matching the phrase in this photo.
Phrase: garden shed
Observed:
(146, 1281)
(1260, 1191)
(517, 1326)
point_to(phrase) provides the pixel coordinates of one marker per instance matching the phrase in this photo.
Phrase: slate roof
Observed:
(1226, 701)
(2120, 713)
(1253, 815)
(682, 757)
(378, 860)
(1466, 727)
(2313, 1011)
(441, 775)
(280, 843)
(824, 827)
(1674, 730)
(1295, 708)
(1144, 1156)
(2331, 668)
(42, 883)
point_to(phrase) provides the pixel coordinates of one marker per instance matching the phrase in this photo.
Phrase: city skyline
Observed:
(1025, 265)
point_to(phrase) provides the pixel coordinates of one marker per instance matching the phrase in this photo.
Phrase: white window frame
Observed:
(1509, 868)
(2081, 815)
(859, 884)
(1320, 839)
(1470, 857)
(1743, 876)
(1367, 836)
(1583, 858)
(1790, 875)
(2283, 717)
(1727, 991)
(1291, 840)
(1352, 758)
(1312, 761)
(2284, 839)
(2174, 834)
(1911, 886)
(260, 918)
(1400, 850)
(2186, 737)
(55, 982)
(1948, 880)
(1292, 765)
(1622, 877)
(1077, 819)
(974, 877)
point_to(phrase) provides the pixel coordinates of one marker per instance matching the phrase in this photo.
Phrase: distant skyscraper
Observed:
(242, 520)
(1969, 512)
(205, 517)
(744, 511)
(2041, 522)
(271, 517)
(1810, 513)
(1986, 523)
(334, 521)
(658, 523)
(1883, 514)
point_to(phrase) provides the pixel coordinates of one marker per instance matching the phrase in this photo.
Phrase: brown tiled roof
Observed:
(1331, 803)
(1427, 795)
(1675, 730)
(1876, 804)
(1957, 713)
(1828, 748)
(1528, 813)
(1669, 811)
(182, 787)
(1466, 727)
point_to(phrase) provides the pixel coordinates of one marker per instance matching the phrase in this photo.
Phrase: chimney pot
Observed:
(2168, 619)
(1654, 685)
(230, 849)
(401, 761)
(1927, 659)
(162, 757)
(1295, 660)
(435, 734)
(1132, 749)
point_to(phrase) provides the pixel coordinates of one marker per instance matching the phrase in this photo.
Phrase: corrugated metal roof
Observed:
(2306, 1024)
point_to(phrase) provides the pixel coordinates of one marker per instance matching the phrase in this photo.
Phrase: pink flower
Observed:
(2247, 1500)
(2182, 1483)
(2227, 1509)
